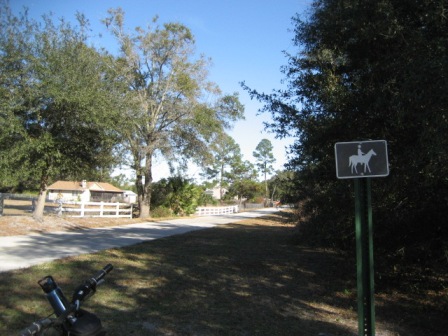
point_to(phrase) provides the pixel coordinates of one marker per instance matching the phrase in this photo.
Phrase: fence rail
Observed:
(213, 211)
(253, 205)
(16, 197)
(19, 197)
(98, 209)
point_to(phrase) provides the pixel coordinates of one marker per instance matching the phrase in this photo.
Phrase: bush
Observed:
(161, 211)
(177, 194)
(206, 199)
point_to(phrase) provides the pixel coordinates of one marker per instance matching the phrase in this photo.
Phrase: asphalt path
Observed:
(23, 251)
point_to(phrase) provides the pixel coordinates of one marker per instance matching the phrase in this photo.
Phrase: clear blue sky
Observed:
(244, 39)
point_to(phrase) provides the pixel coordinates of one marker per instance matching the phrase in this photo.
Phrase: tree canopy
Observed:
(370, 70)
(69, 110)
(57, 94)
(225, 153)
(167, 112)
(264, 160)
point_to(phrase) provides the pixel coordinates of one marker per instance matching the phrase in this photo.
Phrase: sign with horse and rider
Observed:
(361, 159)
(355, 160)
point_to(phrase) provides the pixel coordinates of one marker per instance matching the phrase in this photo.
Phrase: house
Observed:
(84, 191)
(129, 196)
(215, 192)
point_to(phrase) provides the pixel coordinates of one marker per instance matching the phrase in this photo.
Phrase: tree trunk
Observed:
(145, 199)
(38, 212)
(139, 187)
(221, 191)
(266, 186)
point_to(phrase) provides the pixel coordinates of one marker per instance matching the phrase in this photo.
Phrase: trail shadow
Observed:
(222, 281)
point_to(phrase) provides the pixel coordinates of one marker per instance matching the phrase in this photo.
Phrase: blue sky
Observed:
(244, 39)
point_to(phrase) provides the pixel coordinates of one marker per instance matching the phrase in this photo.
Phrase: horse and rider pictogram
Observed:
(362, 159)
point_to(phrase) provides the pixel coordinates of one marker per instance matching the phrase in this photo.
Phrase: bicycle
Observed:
(70, 319)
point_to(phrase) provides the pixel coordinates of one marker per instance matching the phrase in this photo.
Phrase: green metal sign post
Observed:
(363, 160)
(364, 257)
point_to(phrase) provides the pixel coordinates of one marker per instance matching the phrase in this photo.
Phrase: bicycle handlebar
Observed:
(36, 327)
(101, 274)
(80, 293)
(89, 286)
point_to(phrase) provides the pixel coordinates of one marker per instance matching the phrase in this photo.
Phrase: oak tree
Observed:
(58, 115)
(171, 109)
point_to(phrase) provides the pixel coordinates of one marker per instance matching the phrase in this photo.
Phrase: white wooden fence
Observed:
(98, 209)
(210, 211)
(253, 205)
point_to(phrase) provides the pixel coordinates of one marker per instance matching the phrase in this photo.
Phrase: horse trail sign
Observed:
(361, 159)
(354, 160)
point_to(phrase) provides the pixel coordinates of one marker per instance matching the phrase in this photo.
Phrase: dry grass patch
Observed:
(239, 279)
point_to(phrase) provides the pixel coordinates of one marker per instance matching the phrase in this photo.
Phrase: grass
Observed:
(239, 279)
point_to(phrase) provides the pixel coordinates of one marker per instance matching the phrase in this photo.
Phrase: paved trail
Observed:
(24, 251)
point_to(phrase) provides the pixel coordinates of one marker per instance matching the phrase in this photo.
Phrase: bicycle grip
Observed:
(35, 327)
(101, 274)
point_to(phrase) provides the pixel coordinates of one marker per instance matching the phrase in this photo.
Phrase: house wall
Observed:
(54, 195)
(216, 192)
(104, 196)
(130, 198)
(84, 196)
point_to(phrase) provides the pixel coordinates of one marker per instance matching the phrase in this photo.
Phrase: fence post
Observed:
(81, 213)
(1, 204)
(59, 210)
(117, 209)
